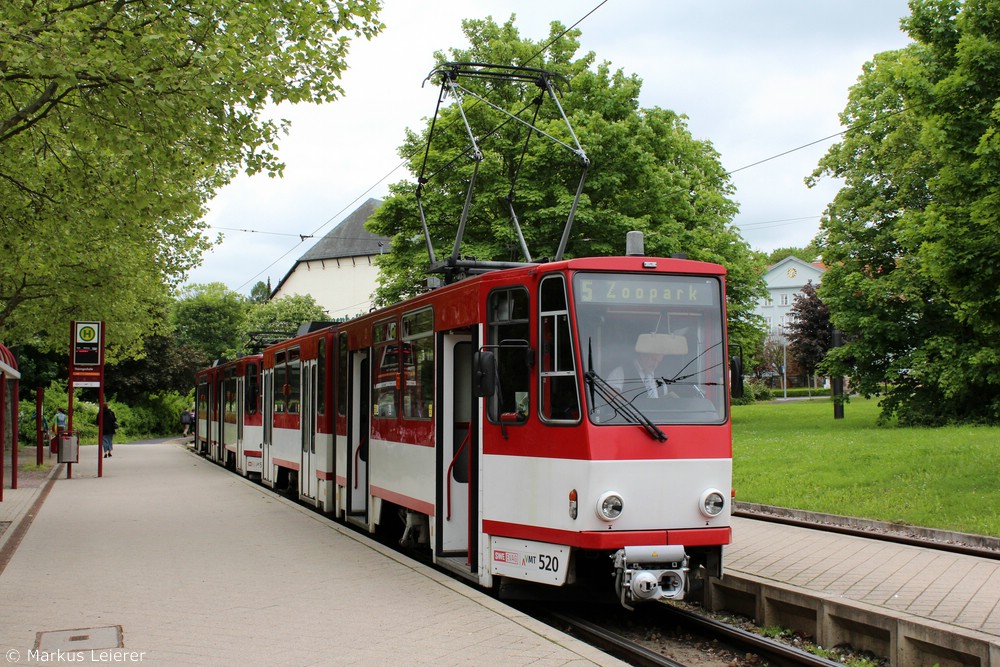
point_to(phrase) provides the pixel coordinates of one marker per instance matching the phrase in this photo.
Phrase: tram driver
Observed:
(640, 375)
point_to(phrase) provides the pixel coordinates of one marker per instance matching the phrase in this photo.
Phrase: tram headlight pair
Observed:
(610, 506)
(712, 503)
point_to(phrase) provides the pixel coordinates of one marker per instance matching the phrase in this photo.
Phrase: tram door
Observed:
(458, 459)
(307, 425)
(240, 415)
(267, 464)
(359, 428)
(219, 420)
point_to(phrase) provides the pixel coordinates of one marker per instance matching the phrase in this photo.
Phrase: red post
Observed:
(3, 405)
(69, 424)
(100, 412)
(14, 452)
(39, 435)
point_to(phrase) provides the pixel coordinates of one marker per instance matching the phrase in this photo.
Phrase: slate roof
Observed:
(350, 238)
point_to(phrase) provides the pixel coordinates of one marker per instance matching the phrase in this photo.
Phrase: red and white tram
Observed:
(561, 423)
(228, 423)
(301, 419)
(553, 423)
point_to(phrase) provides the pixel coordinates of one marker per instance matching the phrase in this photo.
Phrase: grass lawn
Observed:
(796, 454)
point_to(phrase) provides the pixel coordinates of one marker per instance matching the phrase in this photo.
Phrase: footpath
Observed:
(170, 560)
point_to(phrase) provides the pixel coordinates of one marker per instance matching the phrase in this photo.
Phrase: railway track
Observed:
(625, 643)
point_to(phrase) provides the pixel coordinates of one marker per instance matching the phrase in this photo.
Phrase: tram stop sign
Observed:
(87, 344)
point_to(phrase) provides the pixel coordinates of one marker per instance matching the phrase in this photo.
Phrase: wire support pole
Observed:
(477, 158)
(572, 213)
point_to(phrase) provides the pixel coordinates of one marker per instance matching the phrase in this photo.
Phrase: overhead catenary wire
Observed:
(406, 159)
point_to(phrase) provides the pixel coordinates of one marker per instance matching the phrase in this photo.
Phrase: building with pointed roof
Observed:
(339, 271)
(784, 280)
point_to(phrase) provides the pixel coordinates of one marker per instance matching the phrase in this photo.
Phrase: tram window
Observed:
(321, 377)
(386, 381)
(293, 379)
(229, 396)
(280, 380)
(509, 334)
(202, 401)
(418, 364)
(559, 399)
(342, 374)
(252, 388)
(668, 328)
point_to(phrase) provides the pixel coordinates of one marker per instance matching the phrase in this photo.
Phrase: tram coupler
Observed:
(645, 574)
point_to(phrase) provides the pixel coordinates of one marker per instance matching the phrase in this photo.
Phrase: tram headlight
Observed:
(610, 506)
(712, 503)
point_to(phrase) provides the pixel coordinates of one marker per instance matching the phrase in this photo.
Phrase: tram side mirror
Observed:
(736, 377)
(484, 374)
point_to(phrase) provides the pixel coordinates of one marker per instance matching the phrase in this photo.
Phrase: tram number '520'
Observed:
(548, 563)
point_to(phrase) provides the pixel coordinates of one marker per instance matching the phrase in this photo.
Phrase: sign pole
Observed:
(86, 369)
(100, 411)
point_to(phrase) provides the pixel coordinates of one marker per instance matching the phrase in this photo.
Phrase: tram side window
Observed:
(385, 388)
(229, 394)
(418, 364)
(342, 374)
(203, 401)
(252, 388)
(509, 334)
(280, 381)
(321, 378)
(558, 395)
(293, 379)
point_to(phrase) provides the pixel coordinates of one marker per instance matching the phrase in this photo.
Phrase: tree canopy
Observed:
(911, 238)
(809, 332)
(119, 120)
(283, 315)
(210, 318)
(647, 173)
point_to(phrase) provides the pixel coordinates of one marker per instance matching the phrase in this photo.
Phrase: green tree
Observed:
(808, 330)
(210, 318)
(165, 365)
(260, 292)
(647, 173)
(282, 315)
(119, 121)
(910, 239)
(808, 253)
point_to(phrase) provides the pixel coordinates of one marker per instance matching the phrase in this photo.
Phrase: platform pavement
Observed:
(948, 588)
(183, 563)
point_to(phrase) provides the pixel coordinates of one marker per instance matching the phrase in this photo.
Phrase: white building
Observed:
(784, 280)
(339, 271)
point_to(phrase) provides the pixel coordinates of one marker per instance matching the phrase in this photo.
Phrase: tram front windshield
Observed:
(652, 347)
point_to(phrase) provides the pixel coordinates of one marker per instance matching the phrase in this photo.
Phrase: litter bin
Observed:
(69, 449)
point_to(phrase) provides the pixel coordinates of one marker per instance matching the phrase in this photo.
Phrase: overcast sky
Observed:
(756, 78)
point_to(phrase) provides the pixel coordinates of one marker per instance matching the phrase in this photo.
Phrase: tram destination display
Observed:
(655, 290)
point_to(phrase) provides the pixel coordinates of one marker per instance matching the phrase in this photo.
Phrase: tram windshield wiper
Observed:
(679, 379)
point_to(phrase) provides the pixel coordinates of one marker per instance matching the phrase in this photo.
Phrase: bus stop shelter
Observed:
(9, 377)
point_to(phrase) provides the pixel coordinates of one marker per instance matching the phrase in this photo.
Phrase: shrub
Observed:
(157, 415)
(754, 390)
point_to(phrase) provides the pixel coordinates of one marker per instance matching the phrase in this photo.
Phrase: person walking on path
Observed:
(110, 422)
(60, 421)
(186, 422)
